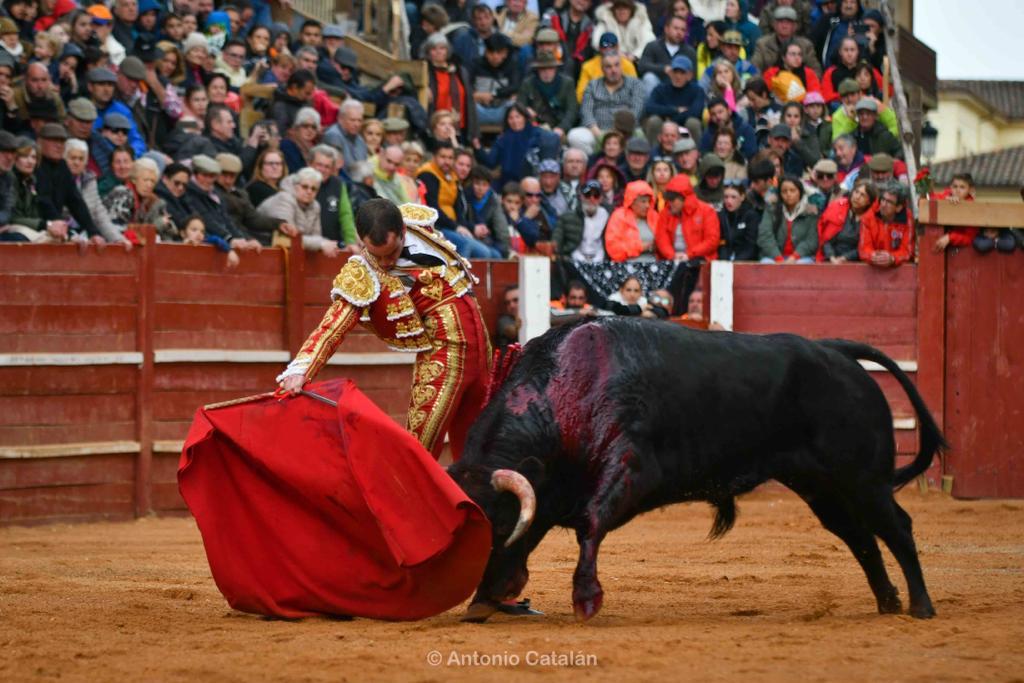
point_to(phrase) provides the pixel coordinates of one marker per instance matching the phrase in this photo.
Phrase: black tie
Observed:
(421, 259)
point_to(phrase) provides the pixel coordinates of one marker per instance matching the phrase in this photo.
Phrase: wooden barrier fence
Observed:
(105, 356)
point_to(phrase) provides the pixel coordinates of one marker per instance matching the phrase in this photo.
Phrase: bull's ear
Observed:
(533, 469)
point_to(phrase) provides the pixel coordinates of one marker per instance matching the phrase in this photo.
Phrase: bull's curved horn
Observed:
(513, 482)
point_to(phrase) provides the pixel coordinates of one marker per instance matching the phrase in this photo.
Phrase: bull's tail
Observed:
(932, 441)
(725, 516)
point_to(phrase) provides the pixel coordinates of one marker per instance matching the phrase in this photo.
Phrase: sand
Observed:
(778, 599)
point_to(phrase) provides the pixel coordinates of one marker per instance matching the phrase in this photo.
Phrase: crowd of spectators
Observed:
(592, 132)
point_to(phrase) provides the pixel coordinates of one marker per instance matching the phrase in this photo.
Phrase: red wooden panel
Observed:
(894, 394)
(67, 380)
(165, 467)
(23, 473)
(58, 318)
(494, 276)
(808, 302)
(60, 410)
(217, 339)
(224, 318)
(51, 503)
(171, 430)
(984, 392)
(72, 290)
(64, 343)
(858, 277)
(37, 435)
(208, 259)
(227, 288)
(317, 264)
(876, 331)
(317, 290)
(166, 498)
(65, 259)
(181, 405)
(249, 378)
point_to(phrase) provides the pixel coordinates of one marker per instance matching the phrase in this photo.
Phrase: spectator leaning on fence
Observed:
(887, 232)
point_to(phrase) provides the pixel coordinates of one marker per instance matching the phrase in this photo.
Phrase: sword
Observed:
(317, 397)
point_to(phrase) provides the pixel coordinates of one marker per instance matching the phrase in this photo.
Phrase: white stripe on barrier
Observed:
(170, 446)
(721, 293)
(219, 356)
(64, 450)
(102, 358)
(904, 423)
(904, 365)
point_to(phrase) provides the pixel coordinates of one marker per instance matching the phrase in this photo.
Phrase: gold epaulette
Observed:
(356, 283)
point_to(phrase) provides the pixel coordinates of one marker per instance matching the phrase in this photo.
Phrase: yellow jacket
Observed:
(591, 69)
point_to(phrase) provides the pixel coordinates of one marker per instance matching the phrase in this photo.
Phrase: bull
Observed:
(599, 422)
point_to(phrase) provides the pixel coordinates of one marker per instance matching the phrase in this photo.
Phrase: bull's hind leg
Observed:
(893, 525)
(861, 542)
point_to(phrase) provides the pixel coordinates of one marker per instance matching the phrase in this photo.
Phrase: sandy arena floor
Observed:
(777, 599)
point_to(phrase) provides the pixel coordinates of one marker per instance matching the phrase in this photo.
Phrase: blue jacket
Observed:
(138, 144)
(666, 100)
(746, 138)
(513, 150)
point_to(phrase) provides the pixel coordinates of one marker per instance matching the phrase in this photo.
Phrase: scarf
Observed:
(479, 204)
(797, 210)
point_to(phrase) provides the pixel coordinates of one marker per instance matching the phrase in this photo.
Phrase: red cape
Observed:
(308, 509)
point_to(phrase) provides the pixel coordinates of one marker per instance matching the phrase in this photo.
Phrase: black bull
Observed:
(602, 421)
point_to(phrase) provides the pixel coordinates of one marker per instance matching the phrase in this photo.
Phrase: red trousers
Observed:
(450, 381)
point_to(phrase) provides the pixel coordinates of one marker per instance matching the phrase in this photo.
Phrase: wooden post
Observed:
(931, 318)
(534, 296)
(295, 294)
(145, 324)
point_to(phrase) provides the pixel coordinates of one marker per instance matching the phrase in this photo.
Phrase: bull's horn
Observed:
(513, 482)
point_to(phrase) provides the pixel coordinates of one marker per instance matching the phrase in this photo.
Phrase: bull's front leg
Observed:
(612, 504)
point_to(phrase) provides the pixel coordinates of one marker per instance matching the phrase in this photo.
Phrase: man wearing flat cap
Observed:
(237, 201)
(871, 136)
(770, 47)
(112, 134)
(102, 84)
(56, 188)
(201, 197)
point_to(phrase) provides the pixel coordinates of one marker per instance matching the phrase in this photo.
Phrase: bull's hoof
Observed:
(479, 612)
(587, 609)
(890, 604)
(923, 610)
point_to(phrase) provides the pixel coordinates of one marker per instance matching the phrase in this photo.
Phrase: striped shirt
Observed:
(599, 105)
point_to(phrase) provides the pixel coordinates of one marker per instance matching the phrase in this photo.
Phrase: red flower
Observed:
(922, 174)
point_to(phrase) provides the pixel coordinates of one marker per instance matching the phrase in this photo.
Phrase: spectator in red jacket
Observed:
(629, 235)
(961, 189)
(839, 228)
(687, 227)
(887, 232)
(688, 232)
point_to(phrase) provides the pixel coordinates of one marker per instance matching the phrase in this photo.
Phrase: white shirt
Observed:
(591, 246)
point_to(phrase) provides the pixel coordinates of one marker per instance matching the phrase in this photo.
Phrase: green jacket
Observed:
(771, 235)
(26, 203)
(843, 124)
(568, 233)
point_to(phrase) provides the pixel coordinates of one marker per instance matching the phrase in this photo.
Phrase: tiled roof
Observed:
(1005, 97)
(1002, 168)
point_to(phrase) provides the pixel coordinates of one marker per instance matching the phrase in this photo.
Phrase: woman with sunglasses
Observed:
(297, 207)
(171, 189)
